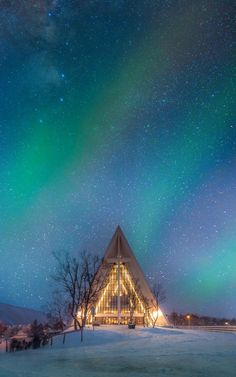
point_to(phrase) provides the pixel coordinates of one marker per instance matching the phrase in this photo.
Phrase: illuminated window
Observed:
(108, 302)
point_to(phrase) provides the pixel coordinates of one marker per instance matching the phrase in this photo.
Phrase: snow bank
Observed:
(117, 351)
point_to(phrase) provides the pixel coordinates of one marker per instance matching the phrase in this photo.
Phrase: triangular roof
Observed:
(120, 246)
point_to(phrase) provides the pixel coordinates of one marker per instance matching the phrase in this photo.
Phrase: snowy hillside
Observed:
(14, 315)
(117, 351)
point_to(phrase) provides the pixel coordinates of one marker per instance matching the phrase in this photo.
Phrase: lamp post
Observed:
(7, 347)
(189, 319)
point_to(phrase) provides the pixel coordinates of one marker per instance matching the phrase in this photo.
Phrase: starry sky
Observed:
(119, 112)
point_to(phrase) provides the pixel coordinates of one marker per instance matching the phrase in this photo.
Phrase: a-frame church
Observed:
(125, 282)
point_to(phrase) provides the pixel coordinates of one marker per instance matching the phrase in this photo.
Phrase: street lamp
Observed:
(7, 345)
(189, 319)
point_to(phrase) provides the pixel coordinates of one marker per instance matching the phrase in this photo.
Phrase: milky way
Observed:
(119, 112)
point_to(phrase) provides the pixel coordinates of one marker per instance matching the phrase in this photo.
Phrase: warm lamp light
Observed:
(155, 314)
(188, 317)
(159, 312)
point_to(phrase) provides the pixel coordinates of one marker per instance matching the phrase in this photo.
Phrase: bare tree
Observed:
(147, 306)
(81, 279)
(160, 296)
(133, 298)
(58, 309)
(159, 293)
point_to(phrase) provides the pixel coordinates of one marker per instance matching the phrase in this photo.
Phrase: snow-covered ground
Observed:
(117, 351)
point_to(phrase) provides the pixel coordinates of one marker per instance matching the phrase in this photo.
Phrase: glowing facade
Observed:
(127, 294)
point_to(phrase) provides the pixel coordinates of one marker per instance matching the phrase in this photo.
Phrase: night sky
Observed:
(119, 112)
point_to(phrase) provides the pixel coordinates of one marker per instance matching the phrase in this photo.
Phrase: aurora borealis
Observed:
(119, 112)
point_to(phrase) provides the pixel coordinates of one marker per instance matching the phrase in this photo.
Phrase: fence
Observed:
(210, 328)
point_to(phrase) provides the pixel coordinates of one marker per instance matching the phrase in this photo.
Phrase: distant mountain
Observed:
(15, 315)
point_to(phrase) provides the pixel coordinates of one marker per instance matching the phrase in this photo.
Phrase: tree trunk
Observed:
(81, 333)
(75, 324)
